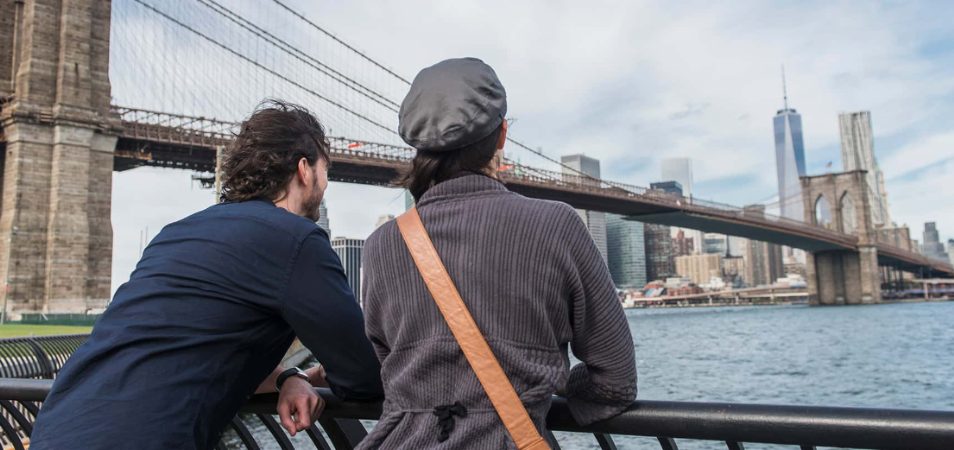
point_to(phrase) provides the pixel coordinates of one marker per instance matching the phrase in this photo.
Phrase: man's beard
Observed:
(311, 206)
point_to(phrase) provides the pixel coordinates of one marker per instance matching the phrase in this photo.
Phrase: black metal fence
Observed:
(37, 357)
(803, 427)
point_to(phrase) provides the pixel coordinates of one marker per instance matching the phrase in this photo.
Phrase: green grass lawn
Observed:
(17, 329)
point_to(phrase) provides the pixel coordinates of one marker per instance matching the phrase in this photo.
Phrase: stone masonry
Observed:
(841, 277)
(55, 229)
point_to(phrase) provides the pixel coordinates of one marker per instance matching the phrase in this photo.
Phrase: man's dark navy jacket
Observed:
(208, 313)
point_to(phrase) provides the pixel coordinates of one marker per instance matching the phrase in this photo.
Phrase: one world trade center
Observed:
(789, 159)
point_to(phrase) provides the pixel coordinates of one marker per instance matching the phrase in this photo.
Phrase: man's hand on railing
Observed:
(298, 404)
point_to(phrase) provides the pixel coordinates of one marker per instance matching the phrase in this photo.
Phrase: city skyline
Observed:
(630, 104)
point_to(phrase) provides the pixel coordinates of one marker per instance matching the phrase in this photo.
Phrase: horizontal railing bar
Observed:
(775, 424)
(804, 426)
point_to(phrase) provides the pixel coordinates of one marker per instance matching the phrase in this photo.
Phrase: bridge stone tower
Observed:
(55, 228)
(838, 277)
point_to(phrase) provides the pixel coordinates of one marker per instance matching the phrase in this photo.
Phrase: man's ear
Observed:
(304, 171)
(503, 135)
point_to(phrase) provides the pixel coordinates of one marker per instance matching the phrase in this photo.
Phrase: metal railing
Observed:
(22, 360)
(37, 357)
(731, 424)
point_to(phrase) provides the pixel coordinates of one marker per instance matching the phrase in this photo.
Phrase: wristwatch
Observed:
(287, 373)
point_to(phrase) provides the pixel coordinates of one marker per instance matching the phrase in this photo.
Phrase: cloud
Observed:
(924, 152)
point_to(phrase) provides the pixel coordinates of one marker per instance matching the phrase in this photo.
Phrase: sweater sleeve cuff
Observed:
(591, 401)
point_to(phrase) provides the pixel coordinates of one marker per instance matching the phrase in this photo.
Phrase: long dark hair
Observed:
(265, 153)
(429, 168)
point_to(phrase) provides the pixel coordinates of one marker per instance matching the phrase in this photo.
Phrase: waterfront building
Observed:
(659, 252)
(715, 243)
(764, 263)
(680, 171)
(733, 270)
(950, 251)
(932, 246)
(682, 245)
(323, 222)
(626, 251)
(736, 245)
(595, 220)
(659, 243)
(699, 268)
(670, 187)
(349, 251)
(857, 153)
(789, 159)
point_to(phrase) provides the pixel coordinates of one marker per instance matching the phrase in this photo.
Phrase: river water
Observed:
(892, 355)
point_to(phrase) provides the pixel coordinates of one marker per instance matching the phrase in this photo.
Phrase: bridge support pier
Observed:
(842, 277)
(55, 226)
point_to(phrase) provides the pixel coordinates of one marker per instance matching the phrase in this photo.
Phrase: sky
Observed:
(627, 82)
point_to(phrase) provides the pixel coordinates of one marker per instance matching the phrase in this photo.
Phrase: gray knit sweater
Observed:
(535, 283)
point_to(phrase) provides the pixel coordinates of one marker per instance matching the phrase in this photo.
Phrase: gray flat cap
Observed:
(452, 104)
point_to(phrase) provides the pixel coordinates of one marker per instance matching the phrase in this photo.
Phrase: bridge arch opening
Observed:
(823, 215)
(849, 217)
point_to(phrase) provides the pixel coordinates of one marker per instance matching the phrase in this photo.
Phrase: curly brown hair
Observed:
(265, 153)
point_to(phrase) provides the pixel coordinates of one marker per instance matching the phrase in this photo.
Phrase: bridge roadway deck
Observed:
(151, 138)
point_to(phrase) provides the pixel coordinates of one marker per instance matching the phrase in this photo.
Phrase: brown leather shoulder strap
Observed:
(481, 358)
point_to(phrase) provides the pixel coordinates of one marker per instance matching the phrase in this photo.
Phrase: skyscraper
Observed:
(857, 153)
(349, 251)
(950, 250)
(699, 268)
(323, 222)
(932, 246)
(383, 219)
(658, 238)
(789, 158)
(682, 245)
(595, 221)
(680, 171)
(626, 252)
(763, 261)
(715, 243)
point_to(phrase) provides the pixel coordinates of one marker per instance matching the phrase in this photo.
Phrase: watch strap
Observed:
(288, 373)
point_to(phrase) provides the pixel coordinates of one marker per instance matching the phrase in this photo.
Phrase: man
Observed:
(213, 305)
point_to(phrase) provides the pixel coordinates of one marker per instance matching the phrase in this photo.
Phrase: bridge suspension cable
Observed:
(300, 55)
(345, 44)
(263, 67)
(407, 82)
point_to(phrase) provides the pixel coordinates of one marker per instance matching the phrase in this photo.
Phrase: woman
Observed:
(527, 269)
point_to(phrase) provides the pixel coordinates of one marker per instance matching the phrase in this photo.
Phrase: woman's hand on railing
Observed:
(317, 376)
(298, 404)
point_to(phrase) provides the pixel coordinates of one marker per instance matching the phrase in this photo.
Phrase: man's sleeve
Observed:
(321, 308)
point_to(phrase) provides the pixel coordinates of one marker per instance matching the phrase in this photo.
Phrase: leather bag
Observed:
(502, 395)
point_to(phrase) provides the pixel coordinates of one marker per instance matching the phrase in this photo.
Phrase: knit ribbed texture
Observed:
(535, 284)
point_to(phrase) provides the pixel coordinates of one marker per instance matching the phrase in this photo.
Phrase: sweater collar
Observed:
(461, 186)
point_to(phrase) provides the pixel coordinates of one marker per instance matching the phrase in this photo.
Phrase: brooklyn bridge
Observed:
(83, 94)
